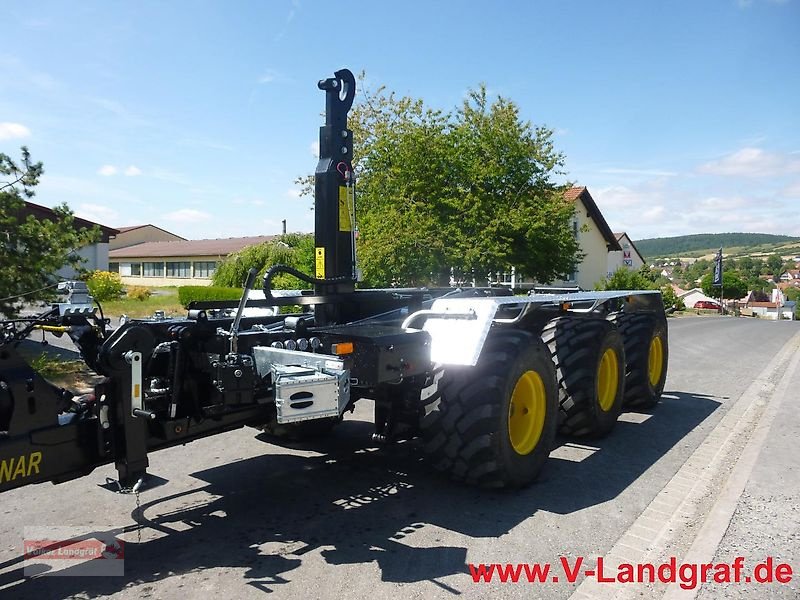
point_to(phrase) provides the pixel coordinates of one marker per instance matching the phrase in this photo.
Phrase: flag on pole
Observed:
(718, 269)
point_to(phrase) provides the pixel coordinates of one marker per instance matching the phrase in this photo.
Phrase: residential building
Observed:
(183, 262)
(628, 257)
(771, 310)
(95, 256)
(140, 234)
(791, 275)
(596, 241)
(693, 295)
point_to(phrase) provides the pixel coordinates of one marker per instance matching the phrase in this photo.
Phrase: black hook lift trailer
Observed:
(484, 378)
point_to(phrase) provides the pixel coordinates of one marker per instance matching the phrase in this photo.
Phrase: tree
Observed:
(671, 299)
(469, 190)
(293, 249)
(793, 295)
(775, 265)
(625, 279)
(31, 250)
(746, 264)
(733, 288)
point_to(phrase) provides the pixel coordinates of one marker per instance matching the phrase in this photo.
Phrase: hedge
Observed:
(200, 293)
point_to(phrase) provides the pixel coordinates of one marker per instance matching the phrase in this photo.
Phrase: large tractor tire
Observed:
(493, 425)
(647, 353)
(302, 431)
(590, 365)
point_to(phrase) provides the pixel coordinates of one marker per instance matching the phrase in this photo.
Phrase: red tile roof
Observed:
(219, 247)
(573, 192)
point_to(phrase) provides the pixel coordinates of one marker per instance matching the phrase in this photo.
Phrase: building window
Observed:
(573, 277)
(153, 269)
(204, 269)
(130, 269)
(113, 267)
(179, 269)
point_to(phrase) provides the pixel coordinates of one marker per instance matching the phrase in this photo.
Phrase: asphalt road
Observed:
(242, 518)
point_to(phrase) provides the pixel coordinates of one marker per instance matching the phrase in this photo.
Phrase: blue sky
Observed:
(680, 117)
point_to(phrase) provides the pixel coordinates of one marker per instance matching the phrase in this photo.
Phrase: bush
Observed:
(140, 293)
(104, 285)
(625, 279)
(293, 249)
(671, 299)
(200, 293)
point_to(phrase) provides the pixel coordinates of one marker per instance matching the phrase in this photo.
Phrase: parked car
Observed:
(708, 304)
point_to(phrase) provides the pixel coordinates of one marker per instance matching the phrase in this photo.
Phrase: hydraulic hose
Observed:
(275, 269)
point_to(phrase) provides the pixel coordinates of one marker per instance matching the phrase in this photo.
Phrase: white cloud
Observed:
(752, 162)
(293, 193)
(723, 203)
(133, 171)
(107, 170)
(12, 131)
(792, 191)
(97, 213)
(654, 214)
(618, 196)
(248, 201)
(272, 76)
(188, 215)
(170, 176)
(267, 77)
(314, 148)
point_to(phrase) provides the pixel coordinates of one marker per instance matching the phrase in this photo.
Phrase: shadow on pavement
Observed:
(358, 503)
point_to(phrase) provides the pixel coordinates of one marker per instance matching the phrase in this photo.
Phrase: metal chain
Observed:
(136, 491)
(138, 518)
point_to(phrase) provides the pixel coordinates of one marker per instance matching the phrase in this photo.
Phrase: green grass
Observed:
(50, 366)
(165, 299)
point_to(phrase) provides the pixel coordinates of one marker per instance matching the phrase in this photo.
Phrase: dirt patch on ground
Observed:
(62, 367)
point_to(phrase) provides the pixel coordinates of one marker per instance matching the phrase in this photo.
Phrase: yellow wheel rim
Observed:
(608, 379)
(655, 360)
(526, 413)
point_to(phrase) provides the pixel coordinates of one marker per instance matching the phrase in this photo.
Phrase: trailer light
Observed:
(291, 345)
(278, 345)
(342, 348)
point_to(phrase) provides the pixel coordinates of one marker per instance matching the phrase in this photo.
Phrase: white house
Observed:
(596, 239)
(693, 295)
(628, 256)
(771, 310)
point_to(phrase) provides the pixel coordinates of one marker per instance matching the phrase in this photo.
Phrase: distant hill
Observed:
(706, 243)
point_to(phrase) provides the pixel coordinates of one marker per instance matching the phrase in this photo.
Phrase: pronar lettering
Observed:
(20, 466)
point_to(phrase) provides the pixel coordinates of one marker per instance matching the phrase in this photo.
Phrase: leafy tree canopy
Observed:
(470, 190)
(733, 287)
(293, 249)
(31, 250)
(625, 279)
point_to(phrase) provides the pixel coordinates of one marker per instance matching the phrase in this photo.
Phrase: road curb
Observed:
(735, 440)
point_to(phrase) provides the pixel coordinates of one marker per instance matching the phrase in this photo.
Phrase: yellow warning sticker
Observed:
(320, 263)
(345, 209)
